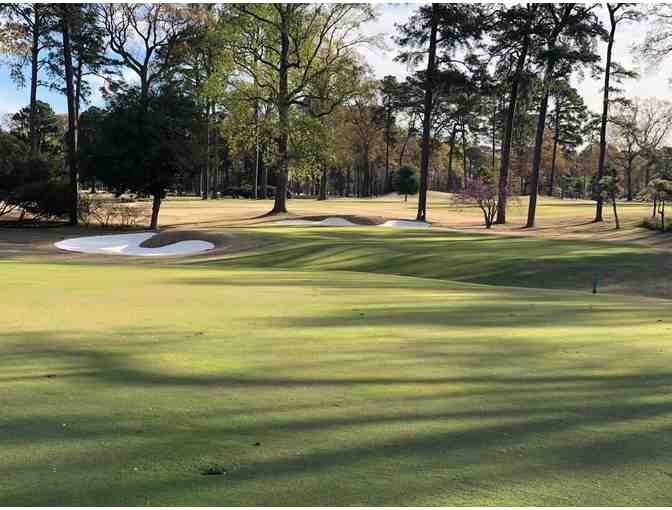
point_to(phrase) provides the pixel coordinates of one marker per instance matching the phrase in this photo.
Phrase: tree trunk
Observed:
(605, 114)
(280, 205)
(386, 186)
(538, 146)
(78, 97)
(156, 205)
(264, 174)
(144, 90)
(227, 174)
(494, 132)
(551, 180)
(409, 131)
(206, 171)
(508, 128)
(451, 180)
(366, 184)
(613, 203)
(323, 184)
(464, 155)
(34, 62)
(628, 179)
(72, 125)
(427, 117)
(256, 149)
(216, 164)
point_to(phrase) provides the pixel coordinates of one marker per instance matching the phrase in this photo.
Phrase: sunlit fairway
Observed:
(329, 366)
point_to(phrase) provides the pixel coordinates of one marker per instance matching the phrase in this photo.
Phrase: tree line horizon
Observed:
(275, 100)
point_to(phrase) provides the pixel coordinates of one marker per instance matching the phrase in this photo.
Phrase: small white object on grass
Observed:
(129, 244)
(406, 224)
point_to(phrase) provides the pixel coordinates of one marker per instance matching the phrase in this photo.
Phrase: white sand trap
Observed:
(129, 244)
(329, 222)
(342, 222)
(406, 224)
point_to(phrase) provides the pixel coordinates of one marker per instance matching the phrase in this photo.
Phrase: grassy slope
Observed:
(119, 385)
(476, 258)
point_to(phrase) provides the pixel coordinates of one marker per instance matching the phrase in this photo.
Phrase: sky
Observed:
(652, 82)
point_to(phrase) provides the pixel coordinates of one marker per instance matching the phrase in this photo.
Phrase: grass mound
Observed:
(169, 237)
(475, 258)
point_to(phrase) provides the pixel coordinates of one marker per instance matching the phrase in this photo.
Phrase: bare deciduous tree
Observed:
(143, 37)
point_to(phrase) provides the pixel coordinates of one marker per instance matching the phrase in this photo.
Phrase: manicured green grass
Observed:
(476, 258)
(306, 384)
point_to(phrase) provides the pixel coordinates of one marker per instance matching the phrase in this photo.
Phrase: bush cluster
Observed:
(106, 212)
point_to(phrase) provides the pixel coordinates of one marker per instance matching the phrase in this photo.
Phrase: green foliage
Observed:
(90, 134)
(87, 46)
(655, 223)
(18, 30)
(322, 52)
(609, 186)
(13, 151)
(46, 199)
(406, 181)
(659, 191)
(568, 117)
(571, 184)
(28, 182)
(143, 148)
(312, 146)
(50, 131)
(458, 26)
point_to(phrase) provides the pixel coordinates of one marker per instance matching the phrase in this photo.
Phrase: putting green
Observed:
(121, 385)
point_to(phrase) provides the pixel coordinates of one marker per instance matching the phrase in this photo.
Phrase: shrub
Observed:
(108, 212)
(480, 191)
(25, 177)
(654, 223)
(659, 191)
(45, 200)
(406, 181)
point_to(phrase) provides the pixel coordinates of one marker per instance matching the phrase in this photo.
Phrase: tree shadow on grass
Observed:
(467, 396)
(482, 443)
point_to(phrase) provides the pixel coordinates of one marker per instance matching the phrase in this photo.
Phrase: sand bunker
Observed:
(342, 222)
(330, 222)
(129, 244)
(406, 224)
